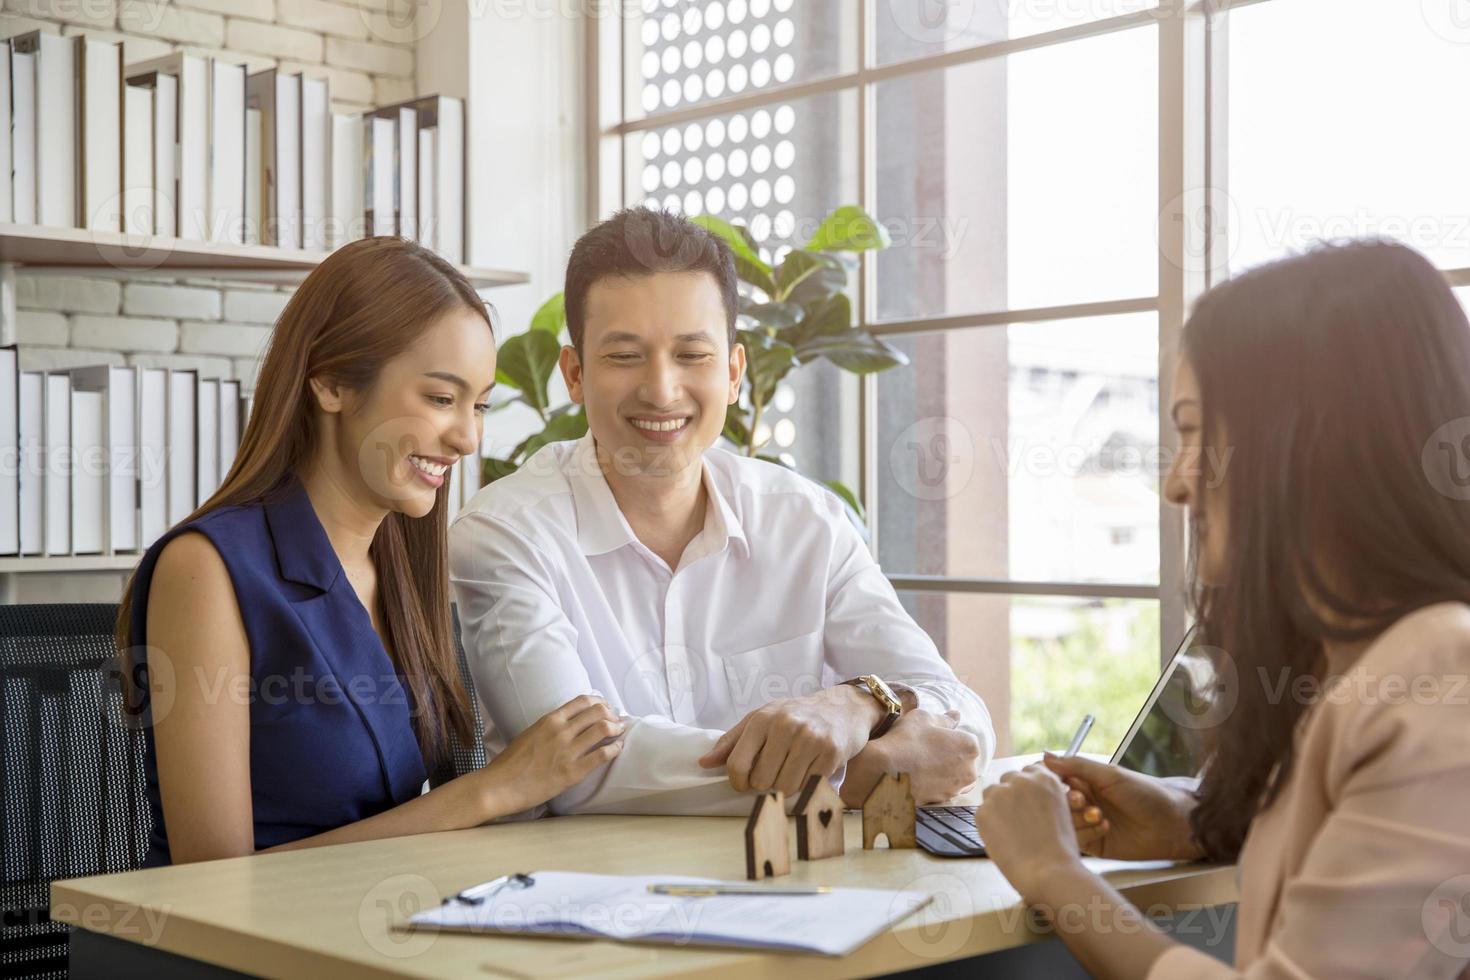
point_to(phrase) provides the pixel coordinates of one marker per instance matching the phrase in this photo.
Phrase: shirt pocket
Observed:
(789, 669)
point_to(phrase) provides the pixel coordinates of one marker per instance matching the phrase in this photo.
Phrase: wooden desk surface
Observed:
(331, 911)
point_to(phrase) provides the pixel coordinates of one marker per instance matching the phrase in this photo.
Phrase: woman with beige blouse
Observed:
(1331, 572)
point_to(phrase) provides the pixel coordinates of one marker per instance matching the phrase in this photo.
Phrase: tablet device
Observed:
(1167, 737)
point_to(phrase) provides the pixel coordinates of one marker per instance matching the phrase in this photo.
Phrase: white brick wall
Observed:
(215, 326)
(253, 307)
(157, 299)
(209, 337)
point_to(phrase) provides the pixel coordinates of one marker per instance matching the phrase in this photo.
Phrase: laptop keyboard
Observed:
(948, 831)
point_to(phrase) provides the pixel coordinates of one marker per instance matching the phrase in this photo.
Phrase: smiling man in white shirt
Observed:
(725, 606)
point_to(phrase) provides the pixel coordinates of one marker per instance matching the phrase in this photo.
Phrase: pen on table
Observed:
(1080, 737)
(688, 891)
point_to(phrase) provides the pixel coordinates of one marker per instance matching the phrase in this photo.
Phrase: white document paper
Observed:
(563, 903)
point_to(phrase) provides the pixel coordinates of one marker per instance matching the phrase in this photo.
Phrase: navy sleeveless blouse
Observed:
(331, 739)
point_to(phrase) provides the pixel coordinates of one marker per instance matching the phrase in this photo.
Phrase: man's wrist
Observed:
(870, 712)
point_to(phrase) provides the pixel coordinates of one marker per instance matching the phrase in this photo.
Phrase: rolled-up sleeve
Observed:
(522, 652)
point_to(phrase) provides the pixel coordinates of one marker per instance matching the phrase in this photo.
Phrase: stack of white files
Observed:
(104, 459)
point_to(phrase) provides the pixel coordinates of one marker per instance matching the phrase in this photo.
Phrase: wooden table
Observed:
(334, 911)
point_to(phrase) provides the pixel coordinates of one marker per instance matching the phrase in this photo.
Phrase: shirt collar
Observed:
(303, 551)
(601, 526)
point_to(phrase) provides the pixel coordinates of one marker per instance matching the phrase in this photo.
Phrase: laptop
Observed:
(1165, 739)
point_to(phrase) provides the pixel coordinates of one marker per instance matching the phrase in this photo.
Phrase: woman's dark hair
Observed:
(1327, 376)
(638, 242)
(366, 303)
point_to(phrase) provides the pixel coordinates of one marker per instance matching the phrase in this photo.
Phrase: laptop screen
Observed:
(1168, 736)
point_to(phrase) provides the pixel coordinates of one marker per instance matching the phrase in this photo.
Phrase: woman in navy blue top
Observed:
(290, 642)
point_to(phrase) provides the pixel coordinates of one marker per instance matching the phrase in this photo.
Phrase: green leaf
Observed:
(855, 350)
(848, 229)
(526, 363)
(806, 277)
(748, 264)
(552, 317)
(767, 361)
(849, 498)
(828, 318)
(568, 422)
(493, 469)
(737, 429)
(774, 316)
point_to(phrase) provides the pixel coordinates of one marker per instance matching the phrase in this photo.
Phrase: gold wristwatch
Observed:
(885, 697)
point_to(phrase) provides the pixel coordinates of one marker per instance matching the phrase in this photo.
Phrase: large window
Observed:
(1060, 180)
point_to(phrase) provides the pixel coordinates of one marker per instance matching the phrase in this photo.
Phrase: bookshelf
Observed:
(77, 251)
(29, 564)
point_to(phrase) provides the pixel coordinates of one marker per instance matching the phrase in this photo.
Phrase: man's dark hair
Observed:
(639, 242)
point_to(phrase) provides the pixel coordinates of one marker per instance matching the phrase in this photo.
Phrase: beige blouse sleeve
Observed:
(1384, 890)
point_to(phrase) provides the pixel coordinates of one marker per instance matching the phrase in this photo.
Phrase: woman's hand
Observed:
(560, 750)
(1118, 813)
(1026, 825)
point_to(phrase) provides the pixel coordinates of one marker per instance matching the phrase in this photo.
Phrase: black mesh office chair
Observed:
(74, 799)
(465, 758)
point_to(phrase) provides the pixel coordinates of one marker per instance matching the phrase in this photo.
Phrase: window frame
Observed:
(1192, 41)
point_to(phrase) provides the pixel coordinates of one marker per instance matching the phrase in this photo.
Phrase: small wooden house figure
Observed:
(767, 852)
(889, 809)
(818, 821)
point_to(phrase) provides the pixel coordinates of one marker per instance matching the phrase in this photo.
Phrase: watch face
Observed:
(893, 704)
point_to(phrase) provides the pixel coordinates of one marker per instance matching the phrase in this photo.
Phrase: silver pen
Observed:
(1080, 737)
(693, 890)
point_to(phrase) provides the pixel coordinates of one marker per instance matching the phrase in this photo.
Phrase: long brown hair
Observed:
(366, 303)
(1327, 374)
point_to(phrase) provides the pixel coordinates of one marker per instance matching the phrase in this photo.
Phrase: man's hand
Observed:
(778, 745)
(939, 759)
